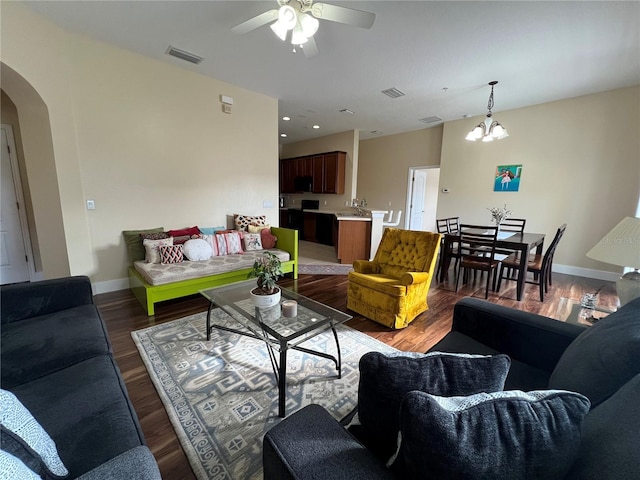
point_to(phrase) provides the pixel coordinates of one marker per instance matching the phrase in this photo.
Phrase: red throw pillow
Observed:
(184, 231)
(267, 238)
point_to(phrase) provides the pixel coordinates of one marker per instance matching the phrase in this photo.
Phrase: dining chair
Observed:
(444, 226)
(513, 225)
(454, 224)
(539, 265)
(477, 250)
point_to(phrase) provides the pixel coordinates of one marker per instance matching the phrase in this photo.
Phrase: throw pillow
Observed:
(24, 429)
(503, 435)
(252, 242)
(13, 468)
(184, 231)
(197, 249)
(132, 240)
(242, 222)
(385, 380)
(181, 239)
(603, 357)
(171, 254)
(153, 236)
(213, 243)
(267, 238)
(210, 230)
(152, 248)
(257, 228)
(233, 242)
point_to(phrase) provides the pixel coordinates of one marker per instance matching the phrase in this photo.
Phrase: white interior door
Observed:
(14, 262)
(416, 208)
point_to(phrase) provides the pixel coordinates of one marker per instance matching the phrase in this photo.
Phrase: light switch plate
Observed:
(91, 205)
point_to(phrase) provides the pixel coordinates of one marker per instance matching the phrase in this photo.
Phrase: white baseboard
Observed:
(586, 272)
(110, 286)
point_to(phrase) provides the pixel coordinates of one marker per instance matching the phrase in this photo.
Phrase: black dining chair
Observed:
(477, 251)
(444, 226)
(539, 265)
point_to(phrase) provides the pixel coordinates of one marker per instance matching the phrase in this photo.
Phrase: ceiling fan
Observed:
(300, 17)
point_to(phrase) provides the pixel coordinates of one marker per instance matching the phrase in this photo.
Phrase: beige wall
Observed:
(384, 165)
(581, 165)
(343, 142)
(147, 141)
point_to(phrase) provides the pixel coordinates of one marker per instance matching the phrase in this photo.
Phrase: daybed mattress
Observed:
(159, 274)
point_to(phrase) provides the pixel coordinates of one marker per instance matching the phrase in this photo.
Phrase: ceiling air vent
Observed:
(393, 92)
(432, 119)
(182, 55)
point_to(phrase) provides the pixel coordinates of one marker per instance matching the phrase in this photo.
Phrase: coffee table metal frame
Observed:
(281, 334)
(569, 310)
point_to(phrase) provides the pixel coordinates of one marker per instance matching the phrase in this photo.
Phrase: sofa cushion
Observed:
(385, 379)
(504, 435)
(521, 376)
(611, 438)
(133, 241)
(135, 464)
(380, 283)
(267, 238)
(38, 346)
(24, 437)
(242, 222)
(85, 407)
(602, 358)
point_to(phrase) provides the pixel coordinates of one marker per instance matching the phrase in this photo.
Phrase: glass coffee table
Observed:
(570, 310)
(269, 325)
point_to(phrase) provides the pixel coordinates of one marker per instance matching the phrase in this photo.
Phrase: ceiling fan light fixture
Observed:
(490, 129)
(287, 16)
(298, 37)
(309, 25)
(279, 30)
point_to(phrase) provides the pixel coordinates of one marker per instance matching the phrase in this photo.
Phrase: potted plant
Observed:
(267, 269)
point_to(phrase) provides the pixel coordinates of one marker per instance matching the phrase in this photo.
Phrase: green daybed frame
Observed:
(149, 295)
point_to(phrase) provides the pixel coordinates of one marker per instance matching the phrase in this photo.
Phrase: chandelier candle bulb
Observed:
(290, 308)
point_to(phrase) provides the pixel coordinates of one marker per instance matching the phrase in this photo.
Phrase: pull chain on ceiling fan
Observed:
(300, 17)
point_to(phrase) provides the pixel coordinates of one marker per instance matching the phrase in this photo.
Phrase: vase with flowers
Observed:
(267, 269)
(499, 214)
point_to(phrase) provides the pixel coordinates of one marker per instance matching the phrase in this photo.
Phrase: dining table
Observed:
(507, 242)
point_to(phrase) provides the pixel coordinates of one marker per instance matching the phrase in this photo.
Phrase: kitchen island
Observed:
(355, 233)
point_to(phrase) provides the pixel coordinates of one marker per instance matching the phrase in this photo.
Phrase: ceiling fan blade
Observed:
(256, 22)
(345, 15)
(310, 48)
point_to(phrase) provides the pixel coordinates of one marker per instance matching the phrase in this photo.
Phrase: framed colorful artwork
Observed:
(507, 178)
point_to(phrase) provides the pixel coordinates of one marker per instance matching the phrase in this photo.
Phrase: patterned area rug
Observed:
(325, 269)
(221, 395)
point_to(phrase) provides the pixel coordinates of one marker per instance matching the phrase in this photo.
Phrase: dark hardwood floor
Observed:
(123, 314)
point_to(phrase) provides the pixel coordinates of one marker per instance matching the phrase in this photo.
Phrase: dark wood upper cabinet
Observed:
(327, 171)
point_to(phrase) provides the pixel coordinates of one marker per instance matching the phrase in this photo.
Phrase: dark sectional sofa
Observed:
(601, 362)
(56, 359)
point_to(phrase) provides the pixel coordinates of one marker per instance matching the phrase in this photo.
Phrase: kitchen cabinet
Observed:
(326, 170)
(353, 240)
(284, 218)
(309, 229)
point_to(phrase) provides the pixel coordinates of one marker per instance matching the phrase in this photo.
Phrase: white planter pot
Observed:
(265, 301)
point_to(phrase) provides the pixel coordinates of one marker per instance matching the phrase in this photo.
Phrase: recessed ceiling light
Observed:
(283, 135)
(286, 119)
(316, 127)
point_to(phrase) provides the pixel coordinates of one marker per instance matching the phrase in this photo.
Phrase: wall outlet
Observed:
(346, 203)
(389, 203)
(324, 203)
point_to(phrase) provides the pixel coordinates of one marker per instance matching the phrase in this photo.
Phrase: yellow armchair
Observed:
(392, 288)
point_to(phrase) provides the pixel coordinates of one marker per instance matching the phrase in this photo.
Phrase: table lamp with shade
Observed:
(621, 246)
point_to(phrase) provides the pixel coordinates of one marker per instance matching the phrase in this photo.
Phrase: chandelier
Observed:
(488, 130)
